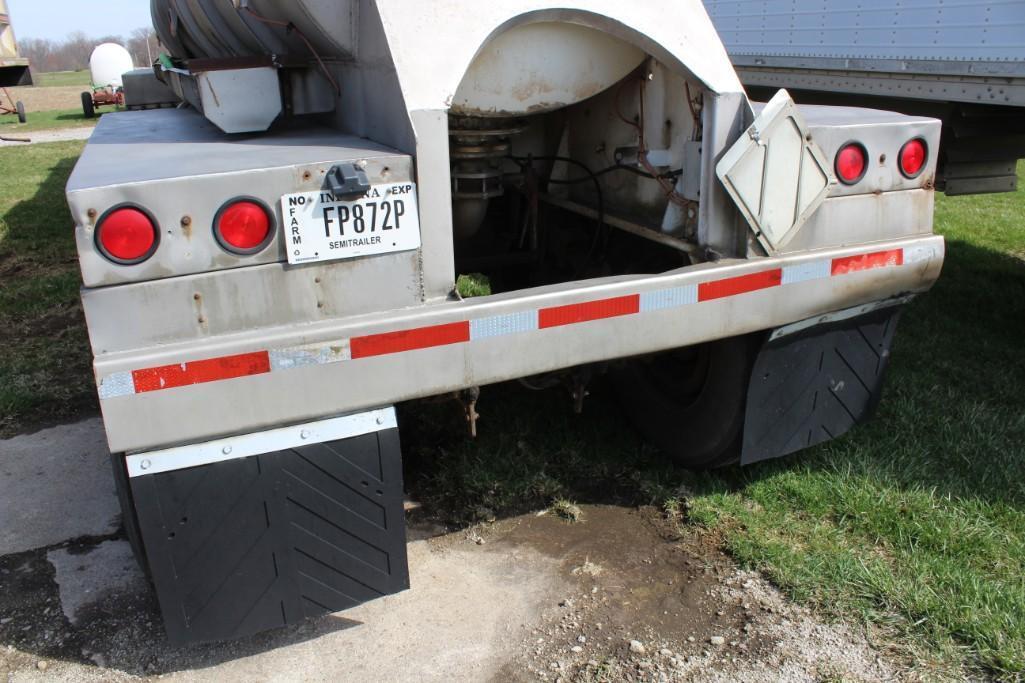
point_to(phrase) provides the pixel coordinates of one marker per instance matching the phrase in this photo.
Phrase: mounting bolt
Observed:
(304, 434)
(380, 420)
(226, 450)
(91, 213)
(145, 464)
(186, 221)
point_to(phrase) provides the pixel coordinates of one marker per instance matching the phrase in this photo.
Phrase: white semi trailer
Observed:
(961, 63)
(268, 271)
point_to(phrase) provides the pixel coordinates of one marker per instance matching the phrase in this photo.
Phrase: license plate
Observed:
(322, 227)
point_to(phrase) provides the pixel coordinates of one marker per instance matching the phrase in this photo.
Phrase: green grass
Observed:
(45, 120)
(917, 519)
(61, 78)
(45, 363)
(474, 284)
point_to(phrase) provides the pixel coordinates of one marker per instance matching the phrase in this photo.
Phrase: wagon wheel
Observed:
(87, 105)
(20, 109)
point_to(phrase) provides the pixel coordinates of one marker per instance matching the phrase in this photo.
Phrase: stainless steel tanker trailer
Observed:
(269, 270)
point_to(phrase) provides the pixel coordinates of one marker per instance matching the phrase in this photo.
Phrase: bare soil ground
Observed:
(38, 98)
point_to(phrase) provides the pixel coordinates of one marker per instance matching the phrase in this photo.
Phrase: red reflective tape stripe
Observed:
(877, 259)
(408, 340)
(717, 289)
(199, 371)
(589, 310)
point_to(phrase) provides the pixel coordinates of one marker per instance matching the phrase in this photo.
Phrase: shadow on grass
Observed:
(45, 370)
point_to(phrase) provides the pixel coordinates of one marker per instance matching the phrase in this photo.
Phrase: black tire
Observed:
(690, 402)
(19, 107)
(87, 105)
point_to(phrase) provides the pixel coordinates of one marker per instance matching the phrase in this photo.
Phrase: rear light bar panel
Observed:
(882, 134)
(182, 171)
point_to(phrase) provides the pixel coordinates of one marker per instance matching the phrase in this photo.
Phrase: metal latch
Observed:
(347, 180)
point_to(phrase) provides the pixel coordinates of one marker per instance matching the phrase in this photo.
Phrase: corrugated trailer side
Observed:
(963, 63)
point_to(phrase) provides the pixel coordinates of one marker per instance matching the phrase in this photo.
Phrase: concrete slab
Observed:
(84, 578)
(56, 485)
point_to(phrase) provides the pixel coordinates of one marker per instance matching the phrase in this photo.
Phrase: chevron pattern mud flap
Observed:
(814, 384)
(251, 544)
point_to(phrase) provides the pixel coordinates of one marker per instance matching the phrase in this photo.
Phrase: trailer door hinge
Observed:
(347, 180)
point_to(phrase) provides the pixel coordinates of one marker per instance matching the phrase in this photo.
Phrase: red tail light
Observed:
(243, 226)
(912, 157)
(127, 235)
(851, 163)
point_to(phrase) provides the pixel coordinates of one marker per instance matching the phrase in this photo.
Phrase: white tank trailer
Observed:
(107, 64)
(269, 270)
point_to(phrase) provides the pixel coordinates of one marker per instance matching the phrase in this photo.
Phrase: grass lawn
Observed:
(917, 519)
(61, 78)
(45, 373)
(914, 522)
(46, 120)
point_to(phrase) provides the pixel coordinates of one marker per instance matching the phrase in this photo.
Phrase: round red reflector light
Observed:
(126, 235)
(912, 157)
(851, 163)
(243, 226)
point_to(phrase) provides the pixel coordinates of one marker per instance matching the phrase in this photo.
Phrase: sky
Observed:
(55, 19)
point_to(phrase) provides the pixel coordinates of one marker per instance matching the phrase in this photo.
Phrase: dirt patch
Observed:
(651, 601)
(48, 98)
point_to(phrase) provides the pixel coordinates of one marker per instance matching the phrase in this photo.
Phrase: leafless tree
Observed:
(72, 53)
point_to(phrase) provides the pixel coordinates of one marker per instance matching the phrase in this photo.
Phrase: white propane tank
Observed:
(107, 63)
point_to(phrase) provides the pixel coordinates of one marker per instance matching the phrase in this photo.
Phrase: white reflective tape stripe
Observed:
(499, 325)
(312, 354)
(803, 272)
(918, 254)
(245, 445)
(669, 298)
(116, 384)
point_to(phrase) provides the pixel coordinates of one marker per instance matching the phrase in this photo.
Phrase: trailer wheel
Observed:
(87, 105)
(690, 402)
(19, 107)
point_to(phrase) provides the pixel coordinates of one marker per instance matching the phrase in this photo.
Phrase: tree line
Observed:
(72, 53)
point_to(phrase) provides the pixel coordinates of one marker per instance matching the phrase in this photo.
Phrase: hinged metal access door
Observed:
(776, 173)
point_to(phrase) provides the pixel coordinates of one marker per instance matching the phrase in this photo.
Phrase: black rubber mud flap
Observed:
(814, 385)
(255, 543)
